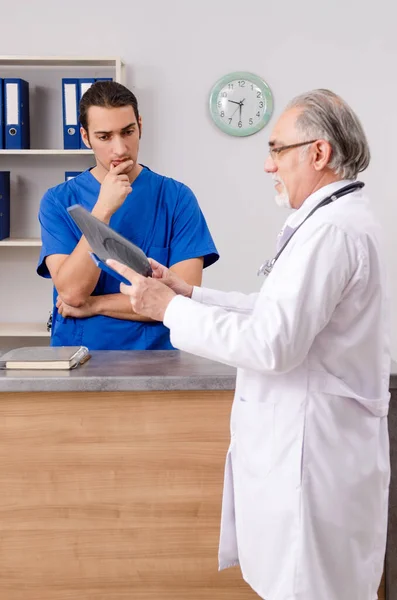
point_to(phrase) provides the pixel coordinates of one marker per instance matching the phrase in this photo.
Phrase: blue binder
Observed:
(71, 174)
(17, 122)
(1, 114)
(84, 85)
(70, 114)
(4, 204)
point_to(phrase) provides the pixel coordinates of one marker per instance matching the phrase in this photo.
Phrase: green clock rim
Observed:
(266, 91)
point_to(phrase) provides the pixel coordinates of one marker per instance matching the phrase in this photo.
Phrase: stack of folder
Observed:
(4, 204)
(72, 92)
(14, 114)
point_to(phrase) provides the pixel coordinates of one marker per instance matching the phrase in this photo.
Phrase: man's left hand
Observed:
(149, 297)
(81, 312)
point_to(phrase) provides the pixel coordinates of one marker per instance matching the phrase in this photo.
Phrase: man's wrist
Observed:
(95, 305)
(101, 213)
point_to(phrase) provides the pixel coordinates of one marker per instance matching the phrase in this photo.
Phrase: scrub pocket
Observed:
(67, 331)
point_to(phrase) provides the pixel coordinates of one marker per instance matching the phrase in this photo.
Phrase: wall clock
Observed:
(241, 103)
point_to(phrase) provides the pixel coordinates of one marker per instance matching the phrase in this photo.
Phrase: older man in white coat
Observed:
(307, 472)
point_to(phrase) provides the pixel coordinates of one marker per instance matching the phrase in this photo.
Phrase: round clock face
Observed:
(241, 103)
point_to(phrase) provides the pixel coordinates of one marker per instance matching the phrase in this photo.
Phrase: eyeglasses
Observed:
(274, 152)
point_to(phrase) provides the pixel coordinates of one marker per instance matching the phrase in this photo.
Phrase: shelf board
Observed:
(114, 62)
(71, 61)
(47, 151)
(27, 242)
(23, 330)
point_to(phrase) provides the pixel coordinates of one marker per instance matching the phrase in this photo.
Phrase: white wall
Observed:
(175, 50)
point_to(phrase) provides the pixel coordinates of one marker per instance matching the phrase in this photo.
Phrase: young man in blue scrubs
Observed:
(158, 214)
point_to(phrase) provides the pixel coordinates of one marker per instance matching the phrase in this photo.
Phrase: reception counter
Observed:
(111, 480)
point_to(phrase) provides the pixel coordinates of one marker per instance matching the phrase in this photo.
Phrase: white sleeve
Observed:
(294, 305)
(234, 301)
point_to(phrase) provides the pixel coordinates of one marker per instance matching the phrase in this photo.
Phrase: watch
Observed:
(241, 103)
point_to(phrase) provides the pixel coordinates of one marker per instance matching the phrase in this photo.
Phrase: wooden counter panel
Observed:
(113, 496)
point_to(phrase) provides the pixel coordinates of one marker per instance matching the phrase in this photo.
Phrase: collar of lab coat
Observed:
(299, 215)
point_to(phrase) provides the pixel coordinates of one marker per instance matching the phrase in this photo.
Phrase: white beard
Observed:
(282, 199)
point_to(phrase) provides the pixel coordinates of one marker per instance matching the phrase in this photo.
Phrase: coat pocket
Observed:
(254, 424)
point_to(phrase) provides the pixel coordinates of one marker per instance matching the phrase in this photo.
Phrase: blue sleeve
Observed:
(57, 233)
(191, 237)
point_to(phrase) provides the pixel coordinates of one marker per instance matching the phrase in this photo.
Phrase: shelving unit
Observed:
(55, 67)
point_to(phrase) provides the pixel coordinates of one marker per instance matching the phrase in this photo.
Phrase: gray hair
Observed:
(326, 116)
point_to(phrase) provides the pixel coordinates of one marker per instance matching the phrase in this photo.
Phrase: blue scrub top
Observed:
(161, 216)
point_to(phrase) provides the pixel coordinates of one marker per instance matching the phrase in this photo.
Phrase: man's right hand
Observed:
(114, 190)
(170, 279)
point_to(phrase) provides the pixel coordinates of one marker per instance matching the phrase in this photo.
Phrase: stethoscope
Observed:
(267, 267)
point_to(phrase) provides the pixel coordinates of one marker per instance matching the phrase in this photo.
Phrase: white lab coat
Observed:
(307, 472)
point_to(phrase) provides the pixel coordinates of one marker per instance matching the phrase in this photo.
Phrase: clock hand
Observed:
(234, 113)
(241, 104)
(234, 102)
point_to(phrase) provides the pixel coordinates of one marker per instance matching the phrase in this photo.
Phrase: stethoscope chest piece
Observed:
(266, 268)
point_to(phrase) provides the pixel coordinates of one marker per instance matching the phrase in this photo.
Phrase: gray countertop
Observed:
(119, 371)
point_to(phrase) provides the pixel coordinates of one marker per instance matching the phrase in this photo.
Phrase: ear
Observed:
(140, 126)
(84, 135)
(322, 153)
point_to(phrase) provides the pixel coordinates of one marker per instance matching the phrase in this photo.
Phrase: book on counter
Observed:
(45, 357)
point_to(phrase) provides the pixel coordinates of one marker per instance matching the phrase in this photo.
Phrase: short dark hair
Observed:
(108, 94)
